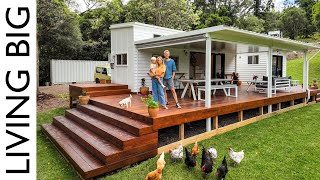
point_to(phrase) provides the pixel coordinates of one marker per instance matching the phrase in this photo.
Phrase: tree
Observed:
(293, 22)
(251, 23)
(272, 21)
(307, 5)
(58, 34)
(316, 15)
(177, 14)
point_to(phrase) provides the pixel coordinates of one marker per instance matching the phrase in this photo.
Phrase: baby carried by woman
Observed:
(153, 67)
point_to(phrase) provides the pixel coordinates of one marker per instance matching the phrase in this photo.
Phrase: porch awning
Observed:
(226, 34)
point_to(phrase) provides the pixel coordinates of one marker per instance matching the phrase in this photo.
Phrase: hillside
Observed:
(295, 69)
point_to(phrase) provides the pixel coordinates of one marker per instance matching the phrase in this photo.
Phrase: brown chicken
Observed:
(195, 149)
(154, 175)
(161, 162)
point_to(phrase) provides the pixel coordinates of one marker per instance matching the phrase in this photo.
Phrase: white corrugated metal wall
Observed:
(68, 71)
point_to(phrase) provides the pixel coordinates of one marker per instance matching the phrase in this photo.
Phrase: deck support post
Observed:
(269, 74)
(181, 131)
(261, 110)
(216, 122)
(291, 102)
(279, 106)
(208, 79)
(240, 116)
(305, 71)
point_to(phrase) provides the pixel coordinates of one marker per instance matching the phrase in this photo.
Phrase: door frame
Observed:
(277, 65)
(214, 64)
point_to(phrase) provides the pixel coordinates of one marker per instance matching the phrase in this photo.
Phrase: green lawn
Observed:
(295, 69)
(285, 146)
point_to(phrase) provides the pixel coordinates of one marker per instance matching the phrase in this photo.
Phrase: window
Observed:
(122, 59)
(156, 35)
(253, 59)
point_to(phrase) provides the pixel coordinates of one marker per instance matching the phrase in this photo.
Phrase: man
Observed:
(169, 76)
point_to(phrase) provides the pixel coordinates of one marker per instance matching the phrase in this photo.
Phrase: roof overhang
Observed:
(226, 34)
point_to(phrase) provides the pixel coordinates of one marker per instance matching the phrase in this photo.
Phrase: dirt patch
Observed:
(51, 97)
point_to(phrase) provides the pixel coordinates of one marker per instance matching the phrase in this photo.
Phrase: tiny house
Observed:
(133, 44)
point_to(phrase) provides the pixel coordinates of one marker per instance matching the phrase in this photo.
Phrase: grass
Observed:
(295, 69)
(313, 39)
(50, 163)
(285, 146)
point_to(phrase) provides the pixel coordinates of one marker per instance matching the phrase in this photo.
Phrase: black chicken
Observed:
(190, 160)
(206, 163)
(222, 169)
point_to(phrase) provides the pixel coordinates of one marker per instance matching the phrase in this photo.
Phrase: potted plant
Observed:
(84, 98)
(153, 107)
(315, 82)
(144, 90)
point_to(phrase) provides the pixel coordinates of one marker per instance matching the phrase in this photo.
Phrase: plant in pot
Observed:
(144, 90)
(84, 98)
(153, 107)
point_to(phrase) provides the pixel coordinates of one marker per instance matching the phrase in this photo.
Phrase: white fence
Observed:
(68, 71)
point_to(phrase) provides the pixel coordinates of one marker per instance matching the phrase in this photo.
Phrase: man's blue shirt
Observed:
(170, 68)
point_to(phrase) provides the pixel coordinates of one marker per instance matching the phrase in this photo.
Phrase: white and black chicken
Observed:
(213, 153)
(236, 157)
(176, 154)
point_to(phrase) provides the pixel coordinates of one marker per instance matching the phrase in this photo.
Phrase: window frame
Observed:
(254, 60)
(122, 55)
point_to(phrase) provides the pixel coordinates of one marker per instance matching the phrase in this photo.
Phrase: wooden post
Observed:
(181, 131)
(292, 103)
(279, 106)
(261, 110)
(70, 104)
(303, 100)
(216, 122)
(208, 79)
(240, 116)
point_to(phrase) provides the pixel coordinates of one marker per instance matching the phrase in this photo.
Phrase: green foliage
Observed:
(251, 23)
(176, 14)
(294, 22)
(272, 21)
(316, 15)
(58, 34)
(149, 102)
(295, 68)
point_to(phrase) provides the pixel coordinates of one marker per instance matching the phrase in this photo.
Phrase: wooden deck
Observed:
(101, 136)
(195, 110)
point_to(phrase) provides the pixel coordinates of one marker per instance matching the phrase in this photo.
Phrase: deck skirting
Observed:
(225, 129)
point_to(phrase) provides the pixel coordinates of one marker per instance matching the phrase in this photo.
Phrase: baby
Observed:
(153, 67)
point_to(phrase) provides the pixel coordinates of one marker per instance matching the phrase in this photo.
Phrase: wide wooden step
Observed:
(135, 127)
(84, 162)
(122, 139)
(121, 111)
(108, 92)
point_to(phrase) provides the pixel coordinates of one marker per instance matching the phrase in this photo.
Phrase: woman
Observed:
(157, 90)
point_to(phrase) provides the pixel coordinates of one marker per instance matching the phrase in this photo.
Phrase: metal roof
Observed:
(226, 34)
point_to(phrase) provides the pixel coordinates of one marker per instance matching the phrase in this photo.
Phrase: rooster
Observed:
(190, 160)
(154, 175)
(213, 153)
(235, 156)
(206, 163)
(161, 162)
(176, 154)
(222, 169)
(195, 149)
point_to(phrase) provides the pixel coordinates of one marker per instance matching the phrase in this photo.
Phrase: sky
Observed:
(278, 4)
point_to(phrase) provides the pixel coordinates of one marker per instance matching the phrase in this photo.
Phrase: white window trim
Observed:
(116, 60)
(253, 60)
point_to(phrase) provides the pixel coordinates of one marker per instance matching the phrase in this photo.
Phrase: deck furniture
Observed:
(255, 82)
(190, 83)
(278, 83)
(226, 87)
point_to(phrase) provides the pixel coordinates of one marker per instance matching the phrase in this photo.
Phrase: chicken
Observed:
(235, 156)
(213, 153)
(154, 175)
(206, 163)
(161, 162)
(195, 149)
(190, 160)
(176, 154)
(222, 170)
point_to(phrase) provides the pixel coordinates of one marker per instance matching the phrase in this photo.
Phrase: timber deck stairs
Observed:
(98, 138)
